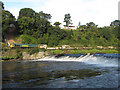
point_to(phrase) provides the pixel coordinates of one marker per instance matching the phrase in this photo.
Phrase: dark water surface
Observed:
(67, 71)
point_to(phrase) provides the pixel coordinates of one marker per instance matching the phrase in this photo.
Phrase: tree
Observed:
(82, 27)
(57, 23)
(91, 25)
(26, 12)
(26, 25)
(115, 23)
(33, 23)
(67, 19)
(7, 20)
(41, 26)
(45, 15)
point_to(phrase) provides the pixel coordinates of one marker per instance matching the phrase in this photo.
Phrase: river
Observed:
(66, 71)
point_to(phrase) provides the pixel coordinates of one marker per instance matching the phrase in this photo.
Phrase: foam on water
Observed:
(88, 59)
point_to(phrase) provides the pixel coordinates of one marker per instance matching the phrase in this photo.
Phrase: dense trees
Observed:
(26, 12)
(7, 19)
(37, 25)
(35, 28)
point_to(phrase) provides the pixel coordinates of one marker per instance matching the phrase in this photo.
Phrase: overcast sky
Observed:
(101, 12)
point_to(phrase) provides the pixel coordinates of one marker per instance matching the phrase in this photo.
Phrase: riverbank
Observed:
(92, 51)
(32, 54)
(38, 53)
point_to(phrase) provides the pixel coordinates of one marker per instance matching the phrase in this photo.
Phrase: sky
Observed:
(101, 12)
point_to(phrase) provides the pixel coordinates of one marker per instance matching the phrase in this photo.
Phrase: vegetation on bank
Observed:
(92, 51)
(16, 53)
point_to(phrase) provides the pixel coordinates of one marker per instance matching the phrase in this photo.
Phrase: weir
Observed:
(88, 59)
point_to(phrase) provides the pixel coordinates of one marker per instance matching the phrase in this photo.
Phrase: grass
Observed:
(82, 51)
(56, 51)
(10, 57)
(92, 51)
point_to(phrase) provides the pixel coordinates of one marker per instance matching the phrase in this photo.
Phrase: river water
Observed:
(66, 71)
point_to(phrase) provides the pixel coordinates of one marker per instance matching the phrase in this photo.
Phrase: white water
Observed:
(88, 59)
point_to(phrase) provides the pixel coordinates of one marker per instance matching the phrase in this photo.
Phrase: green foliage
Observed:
(91, 25)
(8, 57)
(35, 50)
(57, 23)
(92, 51)
(7, 19)
(67, 19)
(41, 26)
(45, 15)
(4, 47)
(26, 25)
(27, 39)
(56, 51)
(42, 49)
(93, 37)
(26, 12)
(115, 23)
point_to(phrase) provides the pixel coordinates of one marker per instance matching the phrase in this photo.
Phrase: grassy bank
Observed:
(16, 53)
(82, 51)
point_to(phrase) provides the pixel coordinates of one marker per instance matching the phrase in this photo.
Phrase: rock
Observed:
(27, 56)
(110, 47)
(65, 46)
(100, 47)
(47, 53)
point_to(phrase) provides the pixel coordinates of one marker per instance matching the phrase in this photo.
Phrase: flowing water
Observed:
(66, 71)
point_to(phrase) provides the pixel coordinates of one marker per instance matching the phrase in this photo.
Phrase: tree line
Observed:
(35, 28)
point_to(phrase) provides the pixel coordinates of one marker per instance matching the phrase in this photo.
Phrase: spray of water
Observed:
(88, 59)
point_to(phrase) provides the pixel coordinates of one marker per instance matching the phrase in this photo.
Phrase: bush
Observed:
(5, 47)
(56, 51)
(10, 57)
(27, 39)
(42, 49)
(35, 50)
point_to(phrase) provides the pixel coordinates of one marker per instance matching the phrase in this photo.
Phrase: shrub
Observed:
(27, 39)
(5, 47)
(10, 57)
(35, 50)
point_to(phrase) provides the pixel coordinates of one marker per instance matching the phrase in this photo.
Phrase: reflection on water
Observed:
(42, 74)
